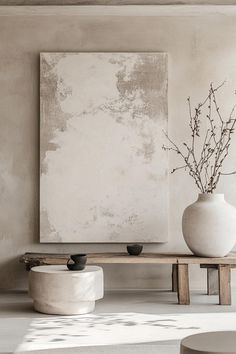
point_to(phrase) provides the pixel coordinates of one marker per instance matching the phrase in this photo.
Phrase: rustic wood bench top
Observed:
(32, 259)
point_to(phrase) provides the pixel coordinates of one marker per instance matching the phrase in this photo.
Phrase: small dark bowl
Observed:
(134, 250)
(75, 266)
(79, 261)
(80, 258)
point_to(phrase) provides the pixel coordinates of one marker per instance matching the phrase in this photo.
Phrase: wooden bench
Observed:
(216, 268)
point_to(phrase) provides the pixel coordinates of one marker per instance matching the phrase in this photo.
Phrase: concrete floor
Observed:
(16, 310)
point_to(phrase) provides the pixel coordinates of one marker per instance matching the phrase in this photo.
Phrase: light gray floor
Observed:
(18, 306)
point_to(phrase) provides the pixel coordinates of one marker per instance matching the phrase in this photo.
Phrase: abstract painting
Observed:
(103, 172)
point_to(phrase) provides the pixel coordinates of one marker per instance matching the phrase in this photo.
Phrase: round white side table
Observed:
(56, 290)
(210, 343)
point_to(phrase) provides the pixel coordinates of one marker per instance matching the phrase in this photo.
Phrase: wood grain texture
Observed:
(214, 266)
(31, 259)
(224, 284)
(183, 285)
(212, 281)
(190, 259)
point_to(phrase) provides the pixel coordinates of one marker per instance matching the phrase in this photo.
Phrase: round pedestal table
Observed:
(210, 343)
(57, 290)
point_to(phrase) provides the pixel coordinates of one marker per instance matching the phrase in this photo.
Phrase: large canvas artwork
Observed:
(103, 173)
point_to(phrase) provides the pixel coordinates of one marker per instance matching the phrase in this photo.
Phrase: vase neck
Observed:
(211, 197)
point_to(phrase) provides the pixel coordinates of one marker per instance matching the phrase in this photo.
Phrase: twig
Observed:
(206, 167)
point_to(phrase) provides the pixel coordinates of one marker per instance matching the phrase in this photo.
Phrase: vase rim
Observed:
(211, 196)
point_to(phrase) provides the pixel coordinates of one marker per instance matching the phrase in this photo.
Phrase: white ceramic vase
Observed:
(209, 226)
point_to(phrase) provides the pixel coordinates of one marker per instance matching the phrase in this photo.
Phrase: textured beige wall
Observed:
(201, 49)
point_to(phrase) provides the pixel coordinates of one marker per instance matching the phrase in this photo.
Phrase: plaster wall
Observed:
(201, 49)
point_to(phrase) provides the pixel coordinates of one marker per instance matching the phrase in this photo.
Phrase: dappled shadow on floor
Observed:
(120, 328)
(106, 329)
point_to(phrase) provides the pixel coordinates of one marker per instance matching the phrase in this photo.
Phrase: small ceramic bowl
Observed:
(134, 250)
(80, 258)
(79, 261)
(75, 266)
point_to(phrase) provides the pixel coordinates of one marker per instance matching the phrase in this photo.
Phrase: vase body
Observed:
(209, 226)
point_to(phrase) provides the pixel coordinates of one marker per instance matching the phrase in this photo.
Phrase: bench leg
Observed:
(174, 278)
(224, 284)
(212, 281)
(183, 284)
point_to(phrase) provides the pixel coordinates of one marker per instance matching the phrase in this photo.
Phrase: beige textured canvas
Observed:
(103, 173)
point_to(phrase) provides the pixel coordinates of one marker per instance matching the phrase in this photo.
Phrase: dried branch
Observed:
(179, 168)
(206, 168)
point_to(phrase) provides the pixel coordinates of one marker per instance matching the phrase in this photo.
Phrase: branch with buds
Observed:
(206, 167)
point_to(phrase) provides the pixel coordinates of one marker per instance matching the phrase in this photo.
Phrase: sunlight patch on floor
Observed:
(119, 328)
